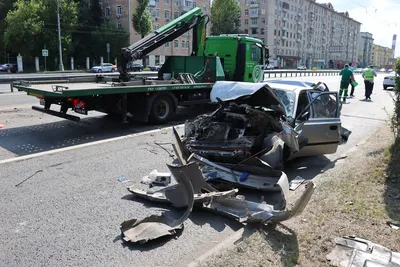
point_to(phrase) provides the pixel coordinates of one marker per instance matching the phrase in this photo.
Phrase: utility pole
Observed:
(59, 36)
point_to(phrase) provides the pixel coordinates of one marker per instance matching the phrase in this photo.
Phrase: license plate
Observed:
(81, 111)
(42, 102)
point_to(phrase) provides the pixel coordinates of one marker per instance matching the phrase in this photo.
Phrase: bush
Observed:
(395, 118)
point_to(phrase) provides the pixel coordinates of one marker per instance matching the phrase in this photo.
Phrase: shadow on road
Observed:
(44, 137)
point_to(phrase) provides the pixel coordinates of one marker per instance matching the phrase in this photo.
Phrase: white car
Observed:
(389, 80)
(105, 67)
(383, 69)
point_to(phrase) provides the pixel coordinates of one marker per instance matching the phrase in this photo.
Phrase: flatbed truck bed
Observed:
(144, 100)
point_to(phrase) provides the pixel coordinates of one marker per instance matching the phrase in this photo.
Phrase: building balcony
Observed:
(284, 28)
(300, 14)
(253, 5)
(284, 37)
(299, 31)
(152, 3)
(254, 15)
(285, 18)
(298, 40)
(253, 26)
(299, 22)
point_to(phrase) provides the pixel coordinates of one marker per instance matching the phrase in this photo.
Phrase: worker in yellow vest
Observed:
(368, 76)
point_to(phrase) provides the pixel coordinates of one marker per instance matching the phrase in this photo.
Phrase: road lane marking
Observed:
(54, 151)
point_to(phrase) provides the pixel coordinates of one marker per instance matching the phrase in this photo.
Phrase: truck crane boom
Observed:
(194, 19)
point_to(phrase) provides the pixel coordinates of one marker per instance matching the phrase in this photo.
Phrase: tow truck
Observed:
(181, 81)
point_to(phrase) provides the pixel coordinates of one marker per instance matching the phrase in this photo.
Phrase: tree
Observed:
(225, 17)
(141, 20)
(33, 24)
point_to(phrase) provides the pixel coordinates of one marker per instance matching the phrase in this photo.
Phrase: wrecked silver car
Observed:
(275, 121)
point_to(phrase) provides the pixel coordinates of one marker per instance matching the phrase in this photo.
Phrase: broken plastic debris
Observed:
(157, 178)
(122, 178)
(296, 182)
(394, 225)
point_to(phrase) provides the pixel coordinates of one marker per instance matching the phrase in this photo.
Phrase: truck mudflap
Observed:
(57, 114)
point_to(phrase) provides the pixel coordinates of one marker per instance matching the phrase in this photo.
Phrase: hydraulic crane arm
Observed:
(194, 19)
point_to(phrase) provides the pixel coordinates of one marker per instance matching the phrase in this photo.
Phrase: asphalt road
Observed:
(68, 214)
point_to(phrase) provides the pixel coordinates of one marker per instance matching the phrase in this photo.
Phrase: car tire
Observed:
(99, 71)
(112, 70)
(385, 87)
(162, 110)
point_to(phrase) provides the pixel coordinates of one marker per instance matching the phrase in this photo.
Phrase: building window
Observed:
(262, 30)
(166, 44)
(166, 2)
(262, 1)
(118, 11)
(119, 25)
(166, 14)
(157, 59)
(204, 7)
(246, 12)
(246, 31)
(263, 20)
(254, 31)
(263, 11)
(187, 44)
(254, 21)
(176, 44)
(176, 15)
(246, 22)
(156, 13)
(183, 43)
(107, 12)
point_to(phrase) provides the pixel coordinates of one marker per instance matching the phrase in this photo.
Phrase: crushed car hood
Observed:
(253, 94)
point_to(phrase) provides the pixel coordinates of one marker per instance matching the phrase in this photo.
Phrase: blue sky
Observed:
(379, 17)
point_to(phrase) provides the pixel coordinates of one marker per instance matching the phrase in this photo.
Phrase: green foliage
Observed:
(225, 17)
(141, 19)
(395, 118)
(33, 24)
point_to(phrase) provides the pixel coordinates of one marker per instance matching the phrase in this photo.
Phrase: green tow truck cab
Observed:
(181, 81)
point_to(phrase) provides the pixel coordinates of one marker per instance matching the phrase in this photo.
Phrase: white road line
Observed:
(40, 154)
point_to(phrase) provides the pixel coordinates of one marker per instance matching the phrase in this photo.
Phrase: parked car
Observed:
(105, 67)
(302, 67)
(268, 67)
(358, 70)
(389, 80)
(383, 69)
(390, 70)
(135, 67)
(8, 67)
(156, 67)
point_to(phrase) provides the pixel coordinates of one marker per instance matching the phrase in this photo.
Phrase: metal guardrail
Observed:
(9, 79)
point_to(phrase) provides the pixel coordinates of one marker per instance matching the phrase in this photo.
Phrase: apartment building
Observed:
(381, 55)
(163, 11)
(365, 46)
(302, 32)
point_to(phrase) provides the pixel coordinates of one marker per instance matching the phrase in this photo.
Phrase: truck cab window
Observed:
(256, 54)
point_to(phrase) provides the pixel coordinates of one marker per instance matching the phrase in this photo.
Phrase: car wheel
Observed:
(385, 87)
(162, 110)
(112, 70)
(99, 70)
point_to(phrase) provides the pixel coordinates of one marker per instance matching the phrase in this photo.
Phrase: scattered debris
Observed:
(157, 178)
(156, 226)
(122, 178)
(394, 225)
(351, 251)
(296, 182)
(28, 178)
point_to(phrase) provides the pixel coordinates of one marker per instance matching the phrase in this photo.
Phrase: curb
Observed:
(225, 244)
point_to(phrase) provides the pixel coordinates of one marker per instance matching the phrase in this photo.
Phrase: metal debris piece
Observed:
(157, 178)
(156, 226)
(173, 194)
(296, 182)
(394, 225)
(253, 212)
(266, 178)
(351, 251)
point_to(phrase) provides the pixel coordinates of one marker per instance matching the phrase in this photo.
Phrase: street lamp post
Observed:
(59, 36)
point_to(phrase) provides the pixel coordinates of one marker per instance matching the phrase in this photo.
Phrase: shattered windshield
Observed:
(287, 98)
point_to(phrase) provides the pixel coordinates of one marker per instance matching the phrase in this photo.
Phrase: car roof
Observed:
(290, 87)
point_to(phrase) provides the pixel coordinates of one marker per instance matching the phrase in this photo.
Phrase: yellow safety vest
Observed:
(369, 75)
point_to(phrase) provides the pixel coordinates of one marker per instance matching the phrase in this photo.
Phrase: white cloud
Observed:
(379, 17)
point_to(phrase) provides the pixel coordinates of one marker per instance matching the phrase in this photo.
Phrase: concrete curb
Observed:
(224, 245)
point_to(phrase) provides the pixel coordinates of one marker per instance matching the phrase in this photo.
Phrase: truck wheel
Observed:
(162, 110)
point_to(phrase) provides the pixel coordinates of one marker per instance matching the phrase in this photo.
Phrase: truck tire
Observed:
(162, 110)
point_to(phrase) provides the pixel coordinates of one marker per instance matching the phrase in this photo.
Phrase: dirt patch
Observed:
(357, 197)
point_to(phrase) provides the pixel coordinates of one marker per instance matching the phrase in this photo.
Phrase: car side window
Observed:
(324, 106)
(302, 104)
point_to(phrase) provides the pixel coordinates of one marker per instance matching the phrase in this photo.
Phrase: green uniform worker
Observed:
(347, 77)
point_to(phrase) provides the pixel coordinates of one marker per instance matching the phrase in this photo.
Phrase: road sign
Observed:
(45, 52)
(108, 47)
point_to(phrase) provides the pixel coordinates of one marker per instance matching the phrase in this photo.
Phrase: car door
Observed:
(318, 123)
